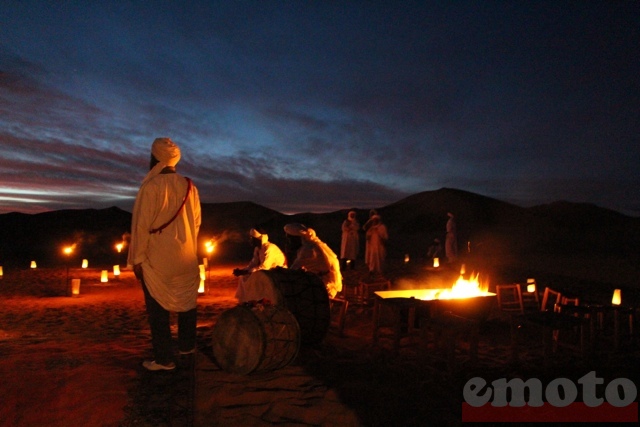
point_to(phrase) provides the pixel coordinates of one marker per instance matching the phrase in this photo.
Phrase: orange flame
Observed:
(464, 288)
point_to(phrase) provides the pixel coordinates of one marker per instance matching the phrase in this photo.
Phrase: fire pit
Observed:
(474, 307)
(466, 300)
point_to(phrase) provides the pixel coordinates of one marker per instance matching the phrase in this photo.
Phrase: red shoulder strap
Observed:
(186, 196)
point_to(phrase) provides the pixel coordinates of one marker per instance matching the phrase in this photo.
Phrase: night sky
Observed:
(316, 106)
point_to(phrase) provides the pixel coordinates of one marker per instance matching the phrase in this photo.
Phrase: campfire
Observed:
(466, 297)
(461, 289)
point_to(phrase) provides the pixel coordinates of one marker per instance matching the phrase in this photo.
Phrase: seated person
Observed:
(266, 255)
(314, 256)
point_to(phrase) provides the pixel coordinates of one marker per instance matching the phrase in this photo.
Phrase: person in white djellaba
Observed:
(377, 236)
(163, 252)
(315, 256)
(266, 255)
(350, 244)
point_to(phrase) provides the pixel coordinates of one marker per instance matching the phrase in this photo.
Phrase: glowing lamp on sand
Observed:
(202, 277)
(617, 297)
(75, 287)
(85, 263)
(33, 264)
(116, 270)
(104, 277)
(436, 262)
(1, 272)
(531, 285)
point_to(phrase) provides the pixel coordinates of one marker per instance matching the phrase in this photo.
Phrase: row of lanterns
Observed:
(615, 300)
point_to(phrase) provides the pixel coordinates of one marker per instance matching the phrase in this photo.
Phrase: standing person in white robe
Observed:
(315, 256)
(377, 236)
(266, 255)
(451, 241)
(163, 252)
(350, 245)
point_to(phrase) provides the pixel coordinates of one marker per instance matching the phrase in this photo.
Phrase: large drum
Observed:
(302, 293)
(255, 339)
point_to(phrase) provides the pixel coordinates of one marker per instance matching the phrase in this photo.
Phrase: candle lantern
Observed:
(436, 262)
(85, 263)
(116, 270)
(531, 285)
(33, 264)
(104, 278)
(201, 288)
(1, 272)
(75, 287)
(617, 297)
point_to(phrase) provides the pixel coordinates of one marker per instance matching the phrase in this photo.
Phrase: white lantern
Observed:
(531, 285)
(116, 270)
(202, 278)
(617, 297)
(85, 263)
(104, 278)
(33, 264)
(436, 262)
(75, 287)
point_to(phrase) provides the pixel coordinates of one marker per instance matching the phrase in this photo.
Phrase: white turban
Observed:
(166, 152)
(296, 229)
(263, 237)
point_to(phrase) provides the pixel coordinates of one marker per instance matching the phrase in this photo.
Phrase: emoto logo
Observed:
(517, 400)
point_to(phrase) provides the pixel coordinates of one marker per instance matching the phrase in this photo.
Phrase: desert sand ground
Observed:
(77, 361)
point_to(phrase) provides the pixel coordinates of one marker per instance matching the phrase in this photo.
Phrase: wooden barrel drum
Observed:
(255, 339)
(303, 294)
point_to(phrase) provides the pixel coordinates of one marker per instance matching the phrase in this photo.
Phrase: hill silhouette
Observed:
(487, 227)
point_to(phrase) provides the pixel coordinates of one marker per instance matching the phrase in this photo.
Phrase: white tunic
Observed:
(169, 258)
(266, 257)
(350, 244)
(375, 251)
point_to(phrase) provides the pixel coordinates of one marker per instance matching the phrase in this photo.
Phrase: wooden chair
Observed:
(550, 299)
(338, 307)
(531, 300)
(510, 302)
(366, 289)
(570, 301)
(510, 298)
